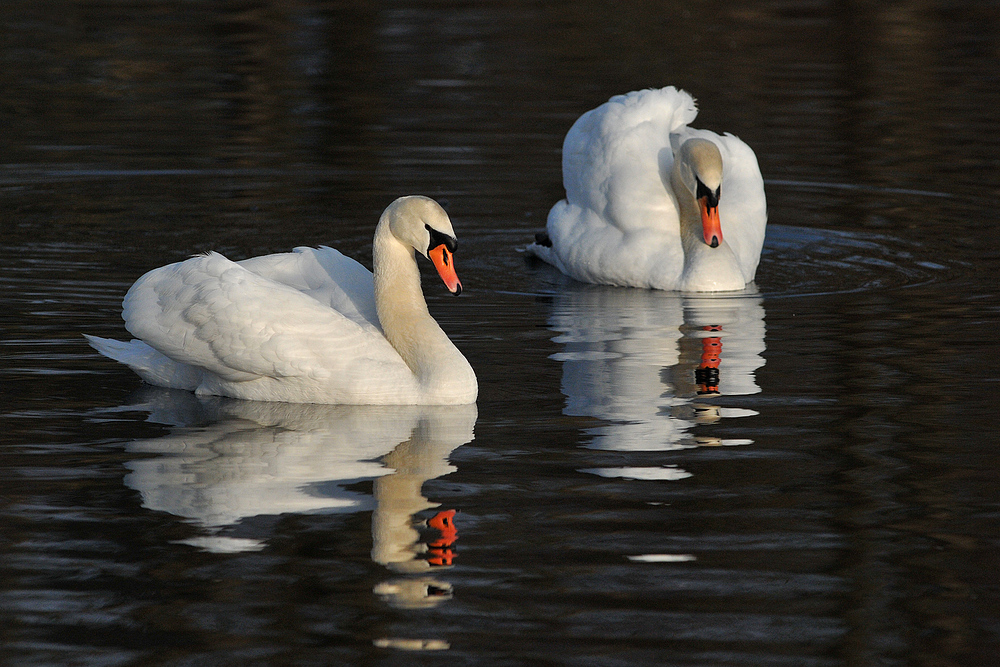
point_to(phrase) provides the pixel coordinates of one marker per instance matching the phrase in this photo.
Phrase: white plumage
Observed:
(305, 326)
(630, 216)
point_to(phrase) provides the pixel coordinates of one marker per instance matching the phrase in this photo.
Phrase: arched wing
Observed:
(224, 317)
(613, 157)
(325, 274)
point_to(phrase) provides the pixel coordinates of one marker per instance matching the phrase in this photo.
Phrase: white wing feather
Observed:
(239, 325)
(613, 155)
(325, 274)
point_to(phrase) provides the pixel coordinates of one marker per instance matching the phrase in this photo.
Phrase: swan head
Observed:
(700, 165)
(421, 223)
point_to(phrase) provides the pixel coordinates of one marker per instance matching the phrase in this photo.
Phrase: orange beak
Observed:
(710, 223)
(445, 265)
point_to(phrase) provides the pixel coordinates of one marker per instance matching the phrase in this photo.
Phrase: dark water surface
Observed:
(838, 504)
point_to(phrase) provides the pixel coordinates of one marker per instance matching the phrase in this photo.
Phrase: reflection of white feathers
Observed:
(742, 322)
(414, 592)
(629, 358)
(663, 472)
(227, 460)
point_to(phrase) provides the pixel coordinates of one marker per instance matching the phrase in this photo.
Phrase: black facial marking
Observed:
(703, 191)
(440, 238)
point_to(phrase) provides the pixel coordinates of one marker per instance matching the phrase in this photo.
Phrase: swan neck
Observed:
(687, 208)
(400, 305)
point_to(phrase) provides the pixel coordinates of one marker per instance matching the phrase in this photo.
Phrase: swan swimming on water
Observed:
(652, 202)
(309, 326)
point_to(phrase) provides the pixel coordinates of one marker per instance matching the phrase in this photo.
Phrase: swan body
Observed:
(310, 326)
(646, 194)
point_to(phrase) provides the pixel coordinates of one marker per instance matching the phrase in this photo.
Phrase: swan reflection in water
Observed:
(228, 460)
(643, 361)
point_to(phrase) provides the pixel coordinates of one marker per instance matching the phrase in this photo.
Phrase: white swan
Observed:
(651, 202)
(310, 326)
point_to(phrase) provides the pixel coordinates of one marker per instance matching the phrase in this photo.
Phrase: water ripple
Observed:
(800, 261)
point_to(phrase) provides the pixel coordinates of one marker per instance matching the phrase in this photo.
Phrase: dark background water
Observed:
(837, 505)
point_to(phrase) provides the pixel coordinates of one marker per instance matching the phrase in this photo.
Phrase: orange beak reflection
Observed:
(445, 265)
(710, 223)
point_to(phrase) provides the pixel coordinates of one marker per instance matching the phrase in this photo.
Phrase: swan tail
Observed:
(542, 252)
(151, 365)
(541, 248)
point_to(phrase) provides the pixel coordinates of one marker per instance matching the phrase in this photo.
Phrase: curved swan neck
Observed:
(687, 208)
(399, 302)
(396, 275)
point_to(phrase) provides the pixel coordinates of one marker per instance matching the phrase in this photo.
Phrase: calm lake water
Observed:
(837, 504)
